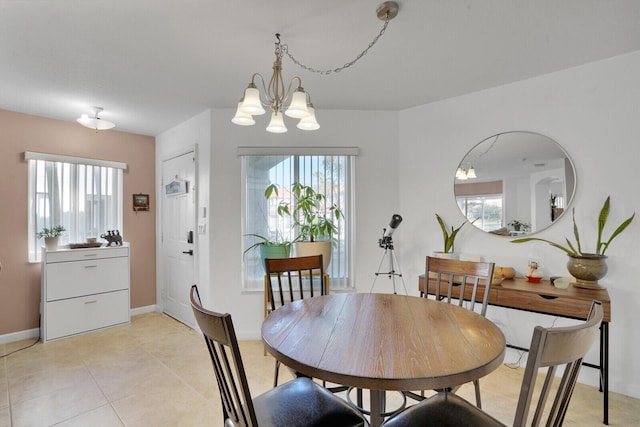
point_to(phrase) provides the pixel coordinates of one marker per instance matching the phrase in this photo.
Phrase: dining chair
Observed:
(299, 402)
(291, 279)
(459, 281)
(550, 348)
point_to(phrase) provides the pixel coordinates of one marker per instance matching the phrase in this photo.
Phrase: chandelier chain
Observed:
(285, 49)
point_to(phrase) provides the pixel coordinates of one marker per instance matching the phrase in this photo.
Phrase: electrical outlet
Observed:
(202, 228)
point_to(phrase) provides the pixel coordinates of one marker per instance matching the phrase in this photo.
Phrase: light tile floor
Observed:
(156, 372)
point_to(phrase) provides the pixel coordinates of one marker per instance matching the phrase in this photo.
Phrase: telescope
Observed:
(386, 241)
(393, 224)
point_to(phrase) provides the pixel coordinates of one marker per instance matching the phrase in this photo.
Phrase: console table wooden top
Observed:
(540, 297)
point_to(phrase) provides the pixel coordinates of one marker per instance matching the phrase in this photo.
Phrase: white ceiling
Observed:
(154, 63)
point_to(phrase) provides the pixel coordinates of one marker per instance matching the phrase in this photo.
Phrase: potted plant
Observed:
(278, 247)
(314, 222)
(519, 225)
(51, 236)
(449, 237)
(586, 267)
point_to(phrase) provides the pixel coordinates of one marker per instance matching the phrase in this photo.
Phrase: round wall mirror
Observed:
(515, 183)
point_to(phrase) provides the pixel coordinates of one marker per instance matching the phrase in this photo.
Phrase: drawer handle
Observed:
(91, 302)
(90, 254)
(548, 296)
(90, 266)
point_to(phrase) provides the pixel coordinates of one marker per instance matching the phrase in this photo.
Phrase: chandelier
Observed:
(293, 102)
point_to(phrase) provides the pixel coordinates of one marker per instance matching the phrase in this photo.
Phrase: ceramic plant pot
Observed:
(320, 247)
(587, 269)
(274, 251)
(51, 243)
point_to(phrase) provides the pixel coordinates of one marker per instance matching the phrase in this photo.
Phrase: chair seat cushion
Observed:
(302, 402)
(444, 409)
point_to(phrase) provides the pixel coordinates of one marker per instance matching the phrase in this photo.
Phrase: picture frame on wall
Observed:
(140, 202)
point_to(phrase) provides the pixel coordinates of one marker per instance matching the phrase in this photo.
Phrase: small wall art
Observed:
(140, 202)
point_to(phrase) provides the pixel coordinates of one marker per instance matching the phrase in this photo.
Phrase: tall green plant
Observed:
(576, 248)
(449, 237)
(310, 216)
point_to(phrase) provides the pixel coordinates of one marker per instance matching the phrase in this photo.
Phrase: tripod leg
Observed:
(392, 272)
(378, 272)
(399, 274)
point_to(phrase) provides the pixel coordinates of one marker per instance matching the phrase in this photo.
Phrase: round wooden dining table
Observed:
(383, 342)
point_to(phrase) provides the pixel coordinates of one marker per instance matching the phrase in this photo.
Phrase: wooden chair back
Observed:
(450, 273)
(550, 348)
(220, 337)
(290, 279)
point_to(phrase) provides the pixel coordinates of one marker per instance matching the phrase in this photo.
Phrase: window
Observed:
(82, 195)
(328, 174)
(485, 211)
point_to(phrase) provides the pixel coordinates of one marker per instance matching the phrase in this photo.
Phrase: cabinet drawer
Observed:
(84, 254)
(559, 305)
(84, 314)
(73, 279)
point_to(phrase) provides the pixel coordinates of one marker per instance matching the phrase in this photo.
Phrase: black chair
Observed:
(297, 403)
(550, 348)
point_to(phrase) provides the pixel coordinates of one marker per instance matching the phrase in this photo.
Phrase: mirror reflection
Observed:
(515, 183)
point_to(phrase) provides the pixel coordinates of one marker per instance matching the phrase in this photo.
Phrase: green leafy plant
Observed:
(448, 236)
(310, 216)
(51, 232)
(283, 210)
(575, 249)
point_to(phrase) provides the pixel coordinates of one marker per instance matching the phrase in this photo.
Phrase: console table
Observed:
(543, 297)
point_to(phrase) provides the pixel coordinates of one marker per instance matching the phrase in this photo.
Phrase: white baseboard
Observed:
(19, 336)
(35, 333)
(142, 310)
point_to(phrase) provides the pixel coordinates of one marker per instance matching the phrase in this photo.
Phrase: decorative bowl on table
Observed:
(562, 282)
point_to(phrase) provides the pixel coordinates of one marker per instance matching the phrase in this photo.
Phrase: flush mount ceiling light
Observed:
(95, 122)
(274, 96)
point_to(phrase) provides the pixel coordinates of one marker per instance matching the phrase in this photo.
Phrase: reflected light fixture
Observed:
(95, 122)
(465, 173)
(274, 97)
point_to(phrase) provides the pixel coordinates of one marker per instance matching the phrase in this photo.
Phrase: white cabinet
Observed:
(83, 290)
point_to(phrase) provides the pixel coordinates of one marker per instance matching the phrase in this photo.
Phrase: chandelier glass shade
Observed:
(274, 96)
(95, 122)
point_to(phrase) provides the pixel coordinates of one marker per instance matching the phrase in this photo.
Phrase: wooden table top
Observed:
(384, 341)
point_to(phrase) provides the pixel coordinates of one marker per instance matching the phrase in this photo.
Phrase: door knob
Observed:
(189, 252)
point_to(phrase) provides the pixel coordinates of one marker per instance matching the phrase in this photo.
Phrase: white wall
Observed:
(194, 133)
(592, 111)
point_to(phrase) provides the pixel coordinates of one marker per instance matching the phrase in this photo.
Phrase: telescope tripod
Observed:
(394, 266)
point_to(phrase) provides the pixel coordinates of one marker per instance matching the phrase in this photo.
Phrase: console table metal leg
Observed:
(604, 368)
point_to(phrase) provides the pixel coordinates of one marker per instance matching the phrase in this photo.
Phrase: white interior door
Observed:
(178, 234)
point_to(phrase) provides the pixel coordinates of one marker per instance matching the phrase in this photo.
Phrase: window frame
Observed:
(346, 281)
(75, 182)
